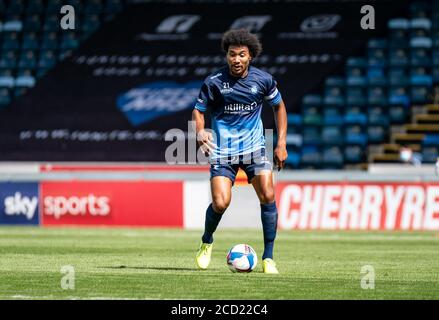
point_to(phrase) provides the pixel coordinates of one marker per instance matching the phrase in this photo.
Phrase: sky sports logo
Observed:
(90, 205)
(19, 203)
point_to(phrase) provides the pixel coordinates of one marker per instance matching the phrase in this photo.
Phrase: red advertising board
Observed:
(358, 206)
(146, 203)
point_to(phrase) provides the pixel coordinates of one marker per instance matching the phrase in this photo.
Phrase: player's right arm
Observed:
(204, 138)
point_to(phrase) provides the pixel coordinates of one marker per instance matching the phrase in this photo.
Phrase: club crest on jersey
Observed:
(254, 90)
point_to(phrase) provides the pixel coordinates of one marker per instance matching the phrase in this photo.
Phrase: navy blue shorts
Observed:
(251, 163)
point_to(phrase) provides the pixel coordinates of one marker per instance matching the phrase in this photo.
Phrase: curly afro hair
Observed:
(242, 37)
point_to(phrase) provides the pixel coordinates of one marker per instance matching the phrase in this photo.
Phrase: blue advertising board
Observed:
(19, 203)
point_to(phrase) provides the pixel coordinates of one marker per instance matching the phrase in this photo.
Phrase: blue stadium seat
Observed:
(51, 22)
(8, 59)
(15, 7)
(430, 154)
(11, 41)
(377, 58)
(332, 135)
(377, 115)
(431, 140)
(355, 117)
(32, 23)
(28, 60)
(332, 157)
(54, 5)
(399, 96)
(49, 41)
(377, 43)
(397, 114)
(47, 59)
(335, 81)
(420, 23)
(353, 154)
(91, 23)
(293, 159)
(333, 97)
(25, 81)
(35, 7)
(355, 96)
(5, 97)
(420, 58)
(12, 26)
(69, 41)
(356, 81)
(332, 120)
(420, 94)
(376, 134)
(312, 100)
(311, 135)
(421, 80)
(376, 96)
(421, 42)
(294, 139)
(398, 57)
(30, 41)
(355, 135)
(398, 23)
(294, 119)
(7, 82)
(310, 156)
(356, 62)
(312, 116)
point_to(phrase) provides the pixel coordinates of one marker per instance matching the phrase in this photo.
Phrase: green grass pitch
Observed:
(113, 263)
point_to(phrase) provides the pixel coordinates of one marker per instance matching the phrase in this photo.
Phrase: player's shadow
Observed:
(149, 268)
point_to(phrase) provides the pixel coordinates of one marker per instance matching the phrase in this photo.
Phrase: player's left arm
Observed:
(280, 117)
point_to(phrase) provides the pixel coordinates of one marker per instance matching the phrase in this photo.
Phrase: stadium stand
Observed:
(384, 100)
(32, 42)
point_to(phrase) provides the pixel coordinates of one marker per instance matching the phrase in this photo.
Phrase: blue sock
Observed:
(269, 225)
(212, 220)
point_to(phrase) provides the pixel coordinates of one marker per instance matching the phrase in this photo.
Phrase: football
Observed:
(242, 258)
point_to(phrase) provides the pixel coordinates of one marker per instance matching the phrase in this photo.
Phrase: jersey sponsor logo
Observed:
(320, 23)
(234, 108)
(157, 99)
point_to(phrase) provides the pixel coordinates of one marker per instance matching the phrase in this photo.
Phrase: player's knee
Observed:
(220, 204)
(267, 197)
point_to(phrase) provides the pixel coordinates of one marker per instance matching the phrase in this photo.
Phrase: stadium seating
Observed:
(357, 108)
(32, 42)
